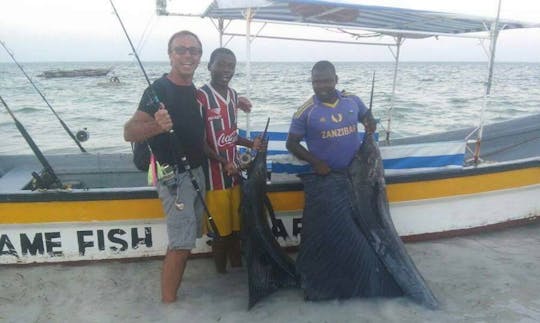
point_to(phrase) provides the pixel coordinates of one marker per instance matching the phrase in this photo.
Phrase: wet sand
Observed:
(492, 277)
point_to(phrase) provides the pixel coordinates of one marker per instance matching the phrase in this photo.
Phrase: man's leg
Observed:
(183, 227)
(219, 252)
(172, 272)
(217, 202)
(234, 252)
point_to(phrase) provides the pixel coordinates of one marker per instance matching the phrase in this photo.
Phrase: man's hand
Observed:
(244, 104)
(259, 144)
(321, 168)
(163, 118)
(293, 145)
(370, 124)
(230, 169)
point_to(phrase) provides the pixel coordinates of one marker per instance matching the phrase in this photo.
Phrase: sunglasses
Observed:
(181, 50)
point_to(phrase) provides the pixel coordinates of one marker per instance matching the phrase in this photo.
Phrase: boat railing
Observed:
(93, 170)
(398, 159)
(470, 144)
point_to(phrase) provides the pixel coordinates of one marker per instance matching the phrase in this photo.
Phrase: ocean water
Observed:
(430, 97)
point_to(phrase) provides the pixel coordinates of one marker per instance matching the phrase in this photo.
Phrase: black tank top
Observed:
(182, 105)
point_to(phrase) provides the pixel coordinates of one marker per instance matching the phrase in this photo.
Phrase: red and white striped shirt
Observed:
(219, 114)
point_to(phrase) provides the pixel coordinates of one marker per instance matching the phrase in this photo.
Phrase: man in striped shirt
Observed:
(219, 105)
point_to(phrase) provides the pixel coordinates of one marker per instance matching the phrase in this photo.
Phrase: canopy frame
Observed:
(484, 29)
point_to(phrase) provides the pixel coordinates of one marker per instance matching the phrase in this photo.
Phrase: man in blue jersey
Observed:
(329, 123)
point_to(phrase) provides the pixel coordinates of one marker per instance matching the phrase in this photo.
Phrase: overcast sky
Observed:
(87, 30)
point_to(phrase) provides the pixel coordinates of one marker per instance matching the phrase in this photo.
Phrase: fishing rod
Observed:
(197, 188)
(172, 134)
(155, 98)
(44, 99)
(48, 176)
(372, 88)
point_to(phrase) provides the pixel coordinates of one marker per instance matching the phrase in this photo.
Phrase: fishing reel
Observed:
(244, 159)
(168, 177)
(43, 181)
(82, 135)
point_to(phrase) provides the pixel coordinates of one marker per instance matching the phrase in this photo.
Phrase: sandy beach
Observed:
(491, 277)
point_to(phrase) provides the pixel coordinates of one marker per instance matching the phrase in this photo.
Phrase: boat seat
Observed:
(16, 179)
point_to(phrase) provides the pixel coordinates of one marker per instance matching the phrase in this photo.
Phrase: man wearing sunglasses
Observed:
(178, 110)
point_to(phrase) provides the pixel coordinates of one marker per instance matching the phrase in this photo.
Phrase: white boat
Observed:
(438, 185)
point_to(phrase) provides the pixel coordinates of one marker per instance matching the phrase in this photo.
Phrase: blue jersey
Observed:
(330, 131)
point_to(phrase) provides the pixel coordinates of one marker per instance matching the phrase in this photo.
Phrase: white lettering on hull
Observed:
(57, 242)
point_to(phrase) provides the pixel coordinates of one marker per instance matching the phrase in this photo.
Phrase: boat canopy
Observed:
(407, 23)
(369, 21)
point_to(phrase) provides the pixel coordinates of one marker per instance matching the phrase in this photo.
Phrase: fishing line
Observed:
(146, 34)
(154, 96)
(172, 134)
(44, 99)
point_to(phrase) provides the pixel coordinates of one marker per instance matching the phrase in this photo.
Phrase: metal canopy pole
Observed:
(221, 31)
(249, 17)
(396, 58)
(494, 34)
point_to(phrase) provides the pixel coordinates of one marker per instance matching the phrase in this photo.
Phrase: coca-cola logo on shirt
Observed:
(225, 140)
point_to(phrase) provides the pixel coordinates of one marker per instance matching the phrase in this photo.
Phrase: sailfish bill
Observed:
(269, 267)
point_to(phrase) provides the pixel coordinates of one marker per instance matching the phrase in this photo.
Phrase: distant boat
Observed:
(86, 72)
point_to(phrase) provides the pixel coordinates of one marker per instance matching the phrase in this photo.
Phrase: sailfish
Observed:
(269, 267)
(349, 245)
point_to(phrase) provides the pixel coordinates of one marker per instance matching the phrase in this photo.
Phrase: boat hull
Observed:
(96, 224)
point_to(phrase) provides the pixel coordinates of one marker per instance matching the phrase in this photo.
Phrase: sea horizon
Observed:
(285, 62)
(430, 97)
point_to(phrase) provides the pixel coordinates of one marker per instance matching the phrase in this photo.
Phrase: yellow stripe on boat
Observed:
(400, 192)
(410, 191)
(139, 209)
(80, 211)
(287, 201)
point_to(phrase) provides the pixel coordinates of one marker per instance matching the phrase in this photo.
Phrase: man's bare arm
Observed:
(294, 146)
(229, 167)
(142, 126)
